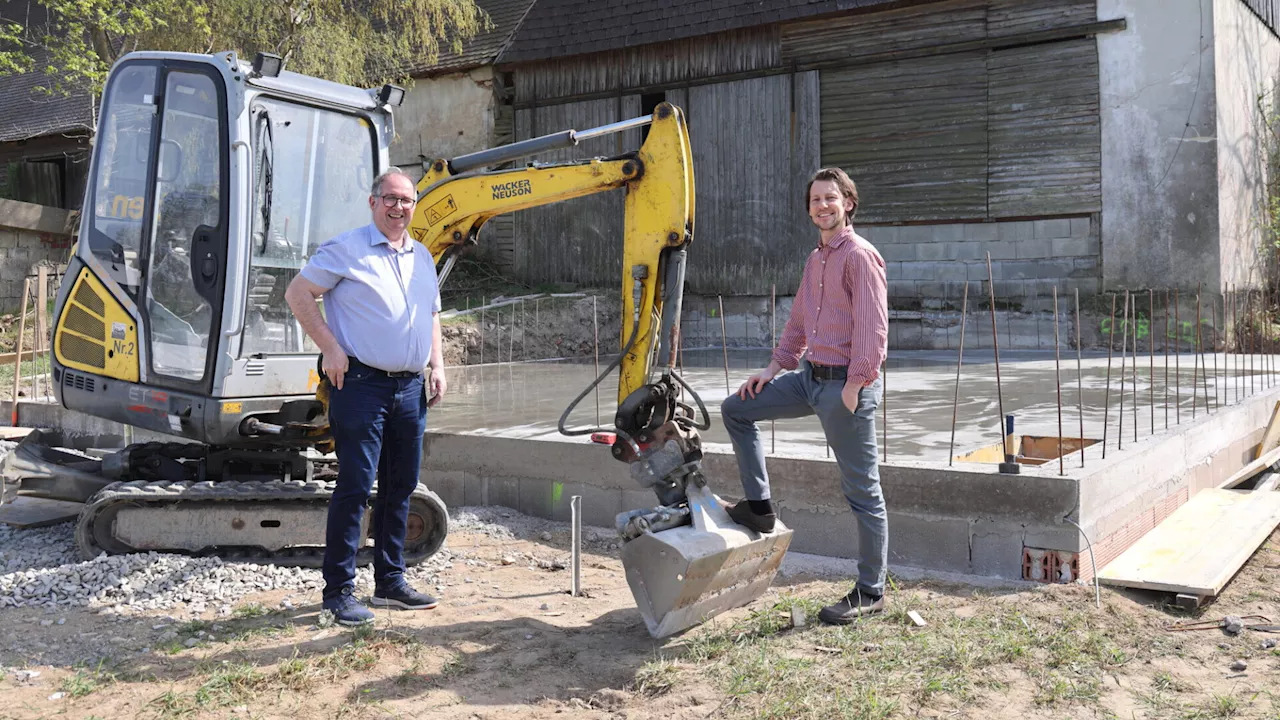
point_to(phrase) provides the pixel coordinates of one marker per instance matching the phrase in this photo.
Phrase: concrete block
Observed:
(1035, 249)
(995, 548)
(8, 239)
(932, 543)
(640, 499)
(504, 491)
(1036, 269)
(1081, 227)
(1075, 247)
(450, 485)
(599, 505)
(896, 253)
(1085, 268)
(1016, 231)
(933, 251)
(886, 235)
(910, 336)
(916, 233)
(903, 289)
(1058, 228)
(820, 532)
(934, 271)
(982, 232)
(1004, 250)
(950, 233)
(967, 251)
(934, 289)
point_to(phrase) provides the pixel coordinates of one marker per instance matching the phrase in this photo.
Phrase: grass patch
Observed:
(655, 678)
(86, 681)
(250, 610)
(884, 666)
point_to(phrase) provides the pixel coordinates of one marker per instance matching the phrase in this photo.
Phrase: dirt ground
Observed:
(508, 641)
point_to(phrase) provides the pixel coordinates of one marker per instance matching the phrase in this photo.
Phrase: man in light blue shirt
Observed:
(382, 299)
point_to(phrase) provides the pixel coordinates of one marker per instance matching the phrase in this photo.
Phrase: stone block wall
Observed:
(928, 265)
(29, 236)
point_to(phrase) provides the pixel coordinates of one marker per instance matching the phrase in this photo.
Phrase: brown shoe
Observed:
(851, 607)
(742, 514)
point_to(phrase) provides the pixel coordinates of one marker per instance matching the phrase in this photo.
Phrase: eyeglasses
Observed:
(394, 200)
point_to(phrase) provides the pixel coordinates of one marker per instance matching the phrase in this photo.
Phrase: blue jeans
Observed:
(377, 424)
(852, 437)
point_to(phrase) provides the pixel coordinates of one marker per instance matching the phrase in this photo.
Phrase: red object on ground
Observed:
(604, 438)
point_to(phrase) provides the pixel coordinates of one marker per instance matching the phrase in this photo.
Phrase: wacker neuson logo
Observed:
(512, 189)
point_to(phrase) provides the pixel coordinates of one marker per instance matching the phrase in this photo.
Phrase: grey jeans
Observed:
(852, 437)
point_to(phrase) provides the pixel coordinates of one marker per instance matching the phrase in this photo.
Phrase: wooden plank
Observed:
(1201, 546)
(1253, 468)
(28, 512)
(1270, 438)
(13, 434)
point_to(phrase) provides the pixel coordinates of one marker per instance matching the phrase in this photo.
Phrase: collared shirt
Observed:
(841, 311)
(379, 301)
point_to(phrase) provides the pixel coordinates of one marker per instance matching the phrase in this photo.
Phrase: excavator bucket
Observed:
(686, 575)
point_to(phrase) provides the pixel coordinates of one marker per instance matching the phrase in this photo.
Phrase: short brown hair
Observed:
(842, 181)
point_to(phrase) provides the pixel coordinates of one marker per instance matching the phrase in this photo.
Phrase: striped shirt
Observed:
(840, 314)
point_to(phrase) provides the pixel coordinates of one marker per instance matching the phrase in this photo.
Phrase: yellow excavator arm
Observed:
(454, 203)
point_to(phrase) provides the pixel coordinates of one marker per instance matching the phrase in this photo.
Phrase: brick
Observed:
(981, 232)
(1081, 227)
(1016, 231)
(1074, 247)
(1035, 249)
(1058, 228)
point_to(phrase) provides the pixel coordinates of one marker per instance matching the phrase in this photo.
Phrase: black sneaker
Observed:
(851, 607)
(346, 610)
(404, 597)
(742, 514)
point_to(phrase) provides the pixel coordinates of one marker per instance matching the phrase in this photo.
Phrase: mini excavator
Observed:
(212, 182)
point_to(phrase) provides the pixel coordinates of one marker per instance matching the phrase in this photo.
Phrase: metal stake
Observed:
(955, 402)
(1151, 350)
(1057, 364)
(575, 506)
(773, 344)
(1079, 379)
(1195, 357)
(1177, 364)
(995, 346)
(1106, 403)
(1134, 314)
(1200, 344)
(595, 328)
(1124, 356)
(724, 345)
(1217, 379)
(1165, 343)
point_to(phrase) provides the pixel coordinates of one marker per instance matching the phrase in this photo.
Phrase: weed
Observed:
(655, 678)
(85, 681)
(250, 610)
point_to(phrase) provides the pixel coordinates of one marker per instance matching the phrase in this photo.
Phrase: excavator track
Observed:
(202, 505)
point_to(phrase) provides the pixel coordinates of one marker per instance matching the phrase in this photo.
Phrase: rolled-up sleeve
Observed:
(865, 274)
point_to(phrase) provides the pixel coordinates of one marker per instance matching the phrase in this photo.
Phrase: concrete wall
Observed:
(1246, 69)
(1159, 158)
(29, 235)
(443, 117)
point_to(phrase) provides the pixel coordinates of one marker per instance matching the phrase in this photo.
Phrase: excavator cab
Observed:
(213, 181)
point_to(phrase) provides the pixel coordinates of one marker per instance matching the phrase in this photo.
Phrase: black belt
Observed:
(353, 363)
(828, 372)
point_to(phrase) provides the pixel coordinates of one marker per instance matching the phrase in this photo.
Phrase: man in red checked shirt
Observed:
(840, 324)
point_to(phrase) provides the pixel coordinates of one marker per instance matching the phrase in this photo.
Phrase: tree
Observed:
(357, 42)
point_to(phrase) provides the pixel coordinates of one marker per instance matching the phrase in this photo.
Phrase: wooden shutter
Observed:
(912, 134)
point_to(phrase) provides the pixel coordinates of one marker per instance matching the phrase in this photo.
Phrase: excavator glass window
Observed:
(120, 187)
(312, 172)
(185, 262)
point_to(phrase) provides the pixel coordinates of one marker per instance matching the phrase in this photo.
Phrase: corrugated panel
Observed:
(746, 206)
(1045, 156)
(912, 134)
(580, 240)
(1013, 17)
(853, 36)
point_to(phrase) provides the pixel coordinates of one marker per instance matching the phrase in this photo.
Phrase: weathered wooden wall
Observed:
(953, 111)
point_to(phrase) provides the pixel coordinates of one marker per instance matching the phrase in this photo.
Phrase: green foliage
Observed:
(326, 38)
